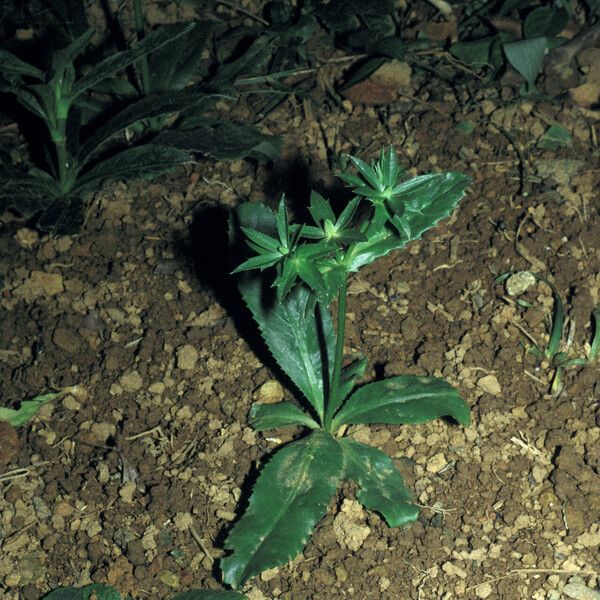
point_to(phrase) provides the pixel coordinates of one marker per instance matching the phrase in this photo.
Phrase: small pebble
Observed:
(489, 384)
(484, 590)
(436, 463)
(520, 282)
(131, 382)
(187, 357)
(270, 392)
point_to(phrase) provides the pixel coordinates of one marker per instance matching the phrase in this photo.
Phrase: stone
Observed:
(436, 463)
(489, 384)
(39, 284)
(131, 382)
(183, 521)
(269, 574)
(66, 339)
(577, 590)
(270, 392)
(452, 569)
(70, 403)
(347, 527)
(27, 238)
(589, 539)
(103, 431)
(518, 283)
(484, 590)
(187, 357)
(127, 491)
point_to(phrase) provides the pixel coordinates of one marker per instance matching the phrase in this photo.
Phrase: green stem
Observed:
(332, 401)
(62, 157)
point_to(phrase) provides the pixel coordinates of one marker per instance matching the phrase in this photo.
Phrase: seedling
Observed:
(311, 264)
(27, 410)
(556, 351)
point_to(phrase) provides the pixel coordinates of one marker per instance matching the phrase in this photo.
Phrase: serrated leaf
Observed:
(280, 414)
(403, 399)
(294, 335)
(381, 485)
(422, 201)
(210, 595)
(132, 163)
(27, 410)
(290, 497)
(527, 57)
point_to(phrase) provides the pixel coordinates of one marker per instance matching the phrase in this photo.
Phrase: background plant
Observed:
(101, 125)
(312, 264)
(72, 165)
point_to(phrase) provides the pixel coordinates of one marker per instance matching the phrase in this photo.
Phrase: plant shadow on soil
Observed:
(213, 257)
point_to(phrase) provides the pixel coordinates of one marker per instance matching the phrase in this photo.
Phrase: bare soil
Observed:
(134, 477)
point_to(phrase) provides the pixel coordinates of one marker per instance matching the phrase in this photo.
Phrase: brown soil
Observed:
(134, 477)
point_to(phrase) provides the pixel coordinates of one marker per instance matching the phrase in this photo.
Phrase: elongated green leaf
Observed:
(403, 399)
(295, 336)
(148, 107)
(223, 140)
(64, 58)
(139, 161)
(30, 102)
(173, 66)
(120, 60)
(262, 261)
(289, 498)
(280, 414)
(420, 203)
(27, 410)
(12, 66)
(382, 485)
